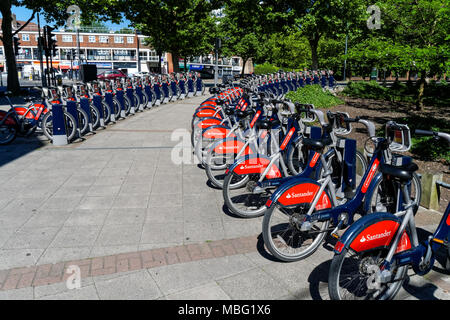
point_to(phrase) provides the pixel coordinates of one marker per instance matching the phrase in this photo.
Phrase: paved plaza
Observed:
(140, 225)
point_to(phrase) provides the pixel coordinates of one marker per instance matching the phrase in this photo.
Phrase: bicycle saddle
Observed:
(318, 143)
(267, 123)
(404, 172)
(242, 114)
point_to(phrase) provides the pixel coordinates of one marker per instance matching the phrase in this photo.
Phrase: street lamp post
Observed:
(218, 44)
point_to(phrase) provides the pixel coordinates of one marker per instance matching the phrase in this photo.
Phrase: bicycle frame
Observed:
(337, 213)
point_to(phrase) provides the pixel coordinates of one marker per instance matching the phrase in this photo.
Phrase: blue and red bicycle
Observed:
(372, 257)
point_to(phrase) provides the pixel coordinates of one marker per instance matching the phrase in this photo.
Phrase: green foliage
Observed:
(436, 94)
(366, 90)
(265, 68)
(315, 95)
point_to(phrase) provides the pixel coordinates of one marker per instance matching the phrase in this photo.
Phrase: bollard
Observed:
(97, 101)
(182, 89)
(430, 194)
(109, 101)
(173, 86)
(190, 88)
(84, 104)
(130, 95)
(165, 89)
(157, 89)
(148, 92)
(71, 107)
(59, 125)
(141, 97)
(121, 100)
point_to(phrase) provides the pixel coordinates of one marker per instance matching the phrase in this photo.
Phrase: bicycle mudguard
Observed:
(373, 231)
(208, 122)
(21, 111)
(10, 121)
(216, 132)
(232, 145)
(207, 112)
(299, 191)
(254, 163)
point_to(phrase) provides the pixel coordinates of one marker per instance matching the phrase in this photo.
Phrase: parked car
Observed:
(111, 74)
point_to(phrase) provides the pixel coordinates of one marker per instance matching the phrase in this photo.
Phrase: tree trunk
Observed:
(7, 35)
(243, 66)
(419, 102)
(175, 62)
(314, 44)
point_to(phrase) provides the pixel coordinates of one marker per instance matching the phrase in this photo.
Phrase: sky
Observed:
(24, 14)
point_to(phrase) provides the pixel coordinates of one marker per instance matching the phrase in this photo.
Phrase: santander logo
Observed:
(299, 195)
(255, 166)
(369, 237)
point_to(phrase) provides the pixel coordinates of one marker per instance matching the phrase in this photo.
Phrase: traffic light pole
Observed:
(41, 64)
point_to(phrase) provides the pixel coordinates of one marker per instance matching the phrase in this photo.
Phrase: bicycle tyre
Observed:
(11, 137)
(268, 231)
(334, 278)
(386, 202)
(231, 201)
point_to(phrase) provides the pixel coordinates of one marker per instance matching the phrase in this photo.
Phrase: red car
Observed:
(111, 75)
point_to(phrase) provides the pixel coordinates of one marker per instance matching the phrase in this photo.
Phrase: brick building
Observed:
(108, 49)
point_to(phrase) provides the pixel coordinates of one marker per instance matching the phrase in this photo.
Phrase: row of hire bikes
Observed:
(68, 112)
(292, 164)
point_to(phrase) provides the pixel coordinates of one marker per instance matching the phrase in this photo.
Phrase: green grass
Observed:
(314, 95)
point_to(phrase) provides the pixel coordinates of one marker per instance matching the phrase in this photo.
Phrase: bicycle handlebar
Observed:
(436, 134)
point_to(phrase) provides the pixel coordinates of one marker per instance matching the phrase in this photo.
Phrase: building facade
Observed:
(107, 49)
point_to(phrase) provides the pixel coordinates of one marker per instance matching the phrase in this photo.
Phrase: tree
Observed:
(241, 28)
(179, 27)
(413, 36)
(53, 11)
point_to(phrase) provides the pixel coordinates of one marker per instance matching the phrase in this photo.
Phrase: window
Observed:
(103, 39)
(91, 38)
(80, 38)
(67, 38)
(118, 39)
(25, 37)
(130, 40)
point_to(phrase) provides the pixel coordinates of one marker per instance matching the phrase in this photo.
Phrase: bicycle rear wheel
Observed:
(239, 197)
(352, 276)
(283, 236)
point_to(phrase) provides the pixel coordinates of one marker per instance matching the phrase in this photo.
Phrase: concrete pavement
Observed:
(140, 226)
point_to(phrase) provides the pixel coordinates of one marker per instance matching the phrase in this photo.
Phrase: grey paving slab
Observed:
(86, 217)
(253, 285)
(76, 236)
(118, 235)
(126, 216)
(11, 258)
(209, 291)
(134, 286)
(31, 238)
(83, 293)
(161, 233)
(17, 294)
(174, 278)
